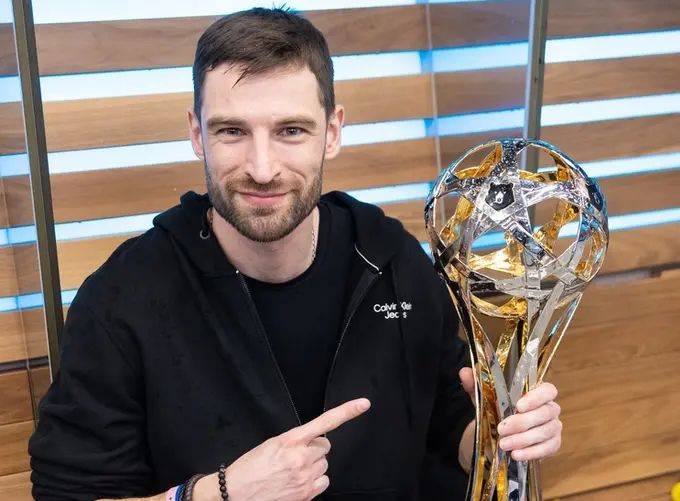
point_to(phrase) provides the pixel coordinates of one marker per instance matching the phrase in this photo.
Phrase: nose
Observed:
(261, 165)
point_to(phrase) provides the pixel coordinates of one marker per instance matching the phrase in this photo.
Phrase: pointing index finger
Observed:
(331, 419)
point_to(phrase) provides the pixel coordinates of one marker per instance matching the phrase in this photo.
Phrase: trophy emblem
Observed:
(516, 296)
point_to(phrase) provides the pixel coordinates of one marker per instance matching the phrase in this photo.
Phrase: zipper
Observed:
(357, 298)
(260, 326)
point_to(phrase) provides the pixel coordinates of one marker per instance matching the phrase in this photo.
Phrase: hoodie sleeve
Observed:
(442, 476)
(90, 440)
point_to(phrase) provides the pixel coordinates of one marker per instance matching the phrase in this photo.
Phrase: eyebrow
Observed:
(222, 120)
(301, 120)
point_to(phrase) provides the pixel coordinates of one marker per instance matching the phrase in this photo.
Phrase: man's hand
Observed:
(535, 431)
(289, 467)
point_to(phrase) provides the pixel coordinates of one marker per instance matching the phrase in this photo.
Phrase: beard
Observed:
(264, 224)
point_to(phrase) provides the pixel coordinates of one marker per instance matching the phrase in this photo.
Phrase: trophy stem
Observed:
(534, 481)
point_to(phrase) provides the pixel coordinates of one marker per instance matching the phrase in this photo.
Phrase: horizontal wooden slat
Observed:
(17, 197)
(12, 139)
(573, 18)
(649, 489)
(12, 345)
(503, 88)
(8, 57)
(13, 447)
(480, 90)
(108, 193)
(374, 165)
(642, 248)
(162, 117)
(16, 486)
(77, 259)
(15, 397)
(8, 277)
(479, 23)
(605, 424)
(3, 206)
(385, 98)
(119, 45)
(643, 192)
(588, 141)
(22, 335)
(611, 78)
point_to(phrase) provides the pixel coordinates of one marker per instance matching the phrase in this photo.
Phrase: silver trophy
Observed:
(516, 249)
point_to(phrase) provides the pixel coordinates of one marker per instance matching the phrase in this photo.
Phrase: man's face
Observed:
(263, 141)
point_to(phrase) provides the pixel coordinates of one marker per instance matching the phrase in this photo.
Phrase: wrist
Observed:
(207, 489)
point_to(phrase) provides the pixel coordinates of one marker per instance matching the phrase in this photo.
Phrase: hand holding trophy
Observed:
(522, 295)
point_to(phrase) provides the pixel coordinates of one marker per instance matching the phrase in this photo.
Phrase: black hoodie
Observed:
(165, 373)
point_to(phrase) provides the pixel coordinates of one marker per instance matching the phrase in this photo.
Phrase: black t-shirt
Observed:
(303, 317)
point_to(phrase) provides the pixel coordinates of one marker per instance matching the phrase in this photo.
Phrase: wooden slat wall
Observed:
(595, 462)
(617, 366)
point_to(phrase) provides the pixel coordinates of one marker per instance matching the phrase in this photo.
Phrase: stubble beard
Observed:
(263, 224)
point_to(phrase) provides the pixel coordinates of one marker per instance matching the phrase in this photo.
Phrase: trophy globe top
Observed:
(497, 230)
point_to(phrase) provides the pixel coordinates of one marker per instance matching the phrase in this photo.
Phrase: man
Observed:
(255, 326)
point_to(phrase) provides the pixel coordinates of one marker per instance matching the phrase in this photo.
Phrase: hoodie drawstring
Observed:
(407, 374)
(206, 226)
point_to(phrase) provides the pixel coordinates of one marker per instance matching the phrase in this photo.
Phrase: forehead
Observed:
(280, 92)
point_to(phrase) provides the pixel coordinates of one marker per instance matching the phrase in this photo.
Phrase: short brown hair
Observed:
(262, 40)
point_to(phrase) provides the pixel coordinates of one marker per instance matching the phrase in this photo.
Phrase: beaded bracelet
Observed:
(221, 478)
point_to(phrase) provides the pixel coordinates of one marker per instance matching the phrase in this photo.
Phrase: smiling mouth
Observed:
(260, 198)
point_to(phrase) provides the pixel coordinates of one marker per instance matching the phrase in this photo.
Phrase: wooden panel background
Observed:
(615, 368)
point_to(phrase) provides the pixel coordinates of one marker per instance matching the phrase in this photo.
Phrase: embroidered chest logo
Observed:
(393, 310)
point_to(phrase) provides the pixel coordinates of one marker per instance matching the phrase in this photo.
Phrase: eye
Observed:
(291, 131)
(231, 131)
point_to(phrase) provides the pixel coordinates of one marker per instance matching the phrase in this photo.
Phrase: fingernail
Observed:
(503, 444)
(521, 406)
(364, 404)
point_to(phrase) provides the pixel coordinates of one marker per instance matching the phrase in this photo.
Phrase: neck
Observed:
(274, 262)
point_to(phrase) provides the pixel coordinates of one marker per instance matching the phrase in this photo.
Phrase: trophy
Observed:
(516, 250)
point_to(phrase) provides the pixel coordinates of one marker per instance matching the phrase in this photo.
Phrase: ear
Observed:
(195, 133)
(334, 132)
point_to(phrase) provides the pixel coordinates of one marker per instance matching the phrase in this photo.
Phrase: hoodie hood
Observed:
(378, 237)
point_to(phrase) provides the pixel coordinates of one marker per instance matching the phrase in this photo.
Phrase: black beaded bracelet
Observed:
(221, 478)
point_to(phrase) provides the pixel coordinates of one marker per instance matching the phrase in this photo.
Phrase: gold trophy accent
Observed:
(516, 249)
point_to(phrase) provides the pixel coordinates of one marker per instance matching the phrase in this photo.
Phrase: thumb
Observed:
(468, 381)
